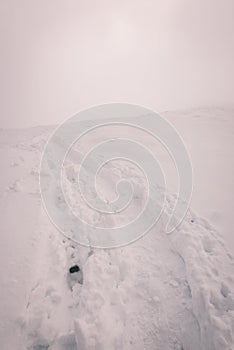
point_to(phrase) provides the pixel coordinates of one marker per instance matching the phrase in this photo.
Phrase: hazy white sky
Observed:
(60, 56)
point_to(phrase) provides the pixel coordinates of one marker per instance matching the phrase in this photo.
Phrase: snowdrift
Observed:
(162, 292)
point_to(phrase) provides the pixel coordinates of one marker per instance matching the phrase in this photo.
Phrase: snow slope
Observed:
(209, 136)
(161, 292)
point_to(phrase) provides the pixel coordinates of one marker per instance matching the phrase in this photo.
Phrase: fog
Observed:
(58, 57)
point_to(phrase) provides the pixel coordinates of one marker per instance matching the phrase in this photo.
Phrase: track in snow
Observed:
(171, 292)
(162, 292)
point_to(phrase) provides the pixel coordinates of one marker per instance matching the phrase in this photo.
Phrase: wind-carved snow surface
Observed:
(162, 292)
(172, 292)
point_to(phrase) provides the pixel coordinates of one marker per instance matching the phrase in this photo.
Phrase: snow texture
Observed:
(172, 292)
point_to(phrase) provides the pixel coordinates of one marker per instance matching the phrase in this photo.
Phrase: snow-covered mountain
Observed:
(172, 292)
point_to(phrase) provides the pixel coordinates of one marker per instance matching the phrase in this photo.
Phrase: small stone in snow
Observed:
(74, 269)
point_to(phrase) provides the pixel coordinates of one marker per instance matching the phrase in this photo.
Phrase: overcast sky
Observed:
(60, 56)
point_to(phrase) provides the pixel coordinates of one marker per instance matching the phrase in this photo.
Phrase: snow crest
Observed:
(162, 292)
(172, 292)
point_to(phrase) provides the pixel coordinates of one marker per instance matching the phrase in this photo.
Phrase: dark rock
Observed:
(74, 269)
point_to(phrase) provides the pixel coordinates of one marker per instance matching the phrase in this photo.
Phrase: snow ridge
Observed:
(162, 292)
(172, 292)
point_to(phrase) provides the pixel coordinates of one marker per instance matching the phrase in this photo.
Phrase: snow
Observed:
(161, 292)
